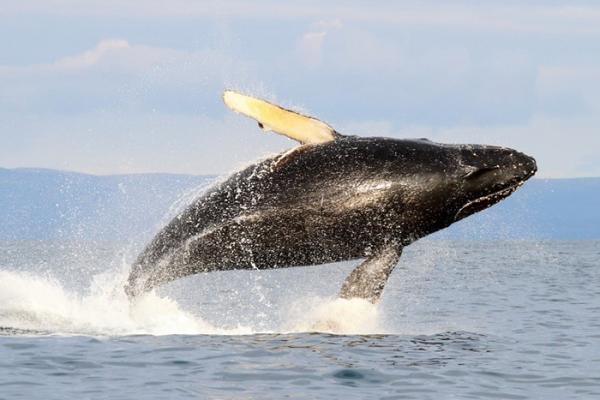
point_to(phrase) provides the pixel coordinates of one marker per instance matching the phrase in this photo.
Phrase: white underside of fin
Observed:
(274, 118)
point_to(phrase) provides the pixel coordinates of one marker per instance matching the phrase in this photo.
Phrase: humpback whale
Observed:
(331, 198)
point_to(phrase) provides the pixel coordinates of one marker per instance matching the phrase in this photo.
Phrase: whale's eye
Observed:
(475, 173)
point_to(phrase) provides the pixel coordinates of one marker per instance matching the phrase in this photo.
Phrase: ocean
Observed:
(458, 319)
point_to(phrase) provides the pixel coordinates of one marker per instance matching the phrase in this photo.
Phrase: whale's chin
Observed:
(483, 202)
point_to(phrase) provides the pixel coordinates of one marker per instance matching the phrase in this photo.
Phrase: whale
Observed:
(331, 198)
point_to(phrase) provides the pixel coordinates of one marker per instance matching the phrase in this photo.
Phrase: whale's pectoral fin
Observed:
(271, 117)
(368, 279)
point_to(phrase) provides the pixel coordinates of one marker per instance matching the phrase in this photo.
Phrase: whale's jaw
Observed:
(486, 201)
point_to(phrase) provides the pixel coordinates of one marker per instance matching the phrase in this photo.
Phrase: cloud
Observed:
(117, 74)
(121, 107)
(310, 45)
(120, 56)
(574, 17)
(522, 74)
(93, 56)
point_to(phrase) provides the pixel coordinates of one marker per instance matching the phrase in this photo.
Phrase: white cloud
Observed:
(121, 56)
(117, 74)
(93, 56)
(310, 45)
(517, 73)
(569, 17)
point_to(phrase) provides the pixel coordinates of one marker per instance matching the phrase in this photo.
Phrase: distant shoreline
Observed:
(46, 204)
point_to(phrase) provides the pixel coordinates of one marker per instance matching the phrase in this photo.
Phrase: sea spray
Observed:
(43, 305)
(339, 316)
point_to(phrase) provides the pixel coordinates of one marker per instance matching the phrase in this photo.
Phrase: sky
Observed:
(112, 86)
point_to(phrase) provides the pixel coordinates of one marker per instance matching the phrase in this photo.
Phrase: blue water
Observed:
(502, 320)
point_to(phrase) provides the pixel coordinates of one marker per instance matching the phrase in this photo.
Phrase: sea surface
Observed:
(469, 319)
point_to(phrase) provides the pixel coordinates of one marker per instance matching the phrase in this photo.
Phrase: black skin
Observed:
(342, 200)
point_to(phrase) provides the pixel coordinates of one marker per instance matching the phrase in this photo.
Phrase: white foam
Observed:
(43, 304)
(340, 316)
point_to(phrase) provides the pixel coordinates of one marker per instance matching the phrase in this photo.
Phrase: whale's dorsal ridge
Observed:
(271, 117)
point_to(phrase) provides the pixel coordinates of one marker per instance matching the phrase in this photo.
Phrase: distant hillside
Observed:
(37, 204)
(47, 204)
(565, 209)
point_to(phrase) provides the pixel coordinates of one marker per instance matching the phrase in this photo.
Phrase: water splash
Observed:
(42, 304)
(35, 303)
(340, 316)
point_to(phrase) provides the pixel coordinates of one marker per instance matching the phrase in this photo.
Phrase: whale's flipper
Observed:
(368, 279)
(271, 117)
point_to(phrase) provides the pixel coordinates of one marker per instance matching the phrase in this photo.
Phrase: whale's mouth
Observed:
(483, 202)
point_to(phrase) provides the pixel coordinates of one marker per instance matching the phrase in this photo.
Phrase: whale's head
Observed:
(487, 174)
(439, 184)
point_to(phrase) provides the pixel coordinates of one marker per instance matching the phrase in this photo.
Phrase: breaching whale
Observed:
(333, 198)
